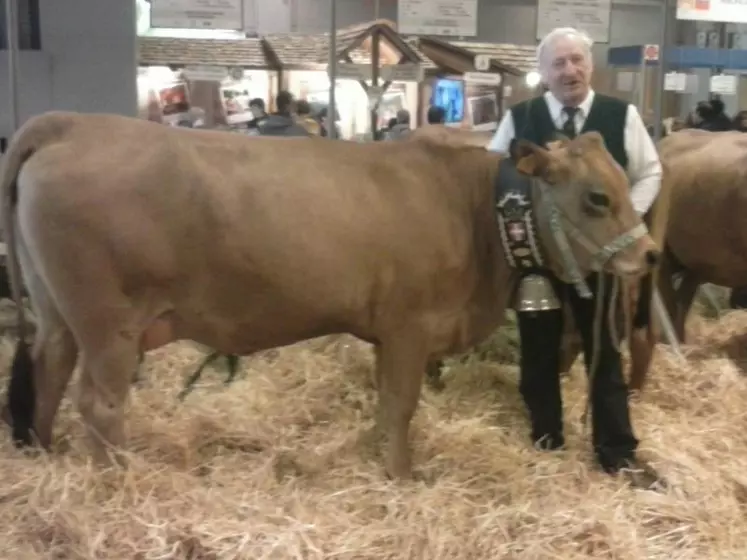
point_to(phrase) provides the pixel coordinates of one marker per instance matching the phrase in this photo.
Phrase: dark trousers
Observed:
(541, 333)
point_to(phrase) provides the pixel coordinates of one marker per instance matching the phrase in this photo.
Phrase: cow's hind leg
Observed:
(53, 360)
(401, 364)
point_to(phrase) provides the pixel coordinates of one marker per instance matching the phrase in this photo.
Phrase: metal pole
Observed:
(659, 307)
(666, 325)
(663, 44)
(332, 107)
(11, 32)
(707, 291)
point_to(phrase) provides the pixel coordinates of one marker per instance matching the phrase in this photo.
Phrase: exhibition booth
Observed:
(476, 97)
(202, 79)
(179, 77)
(392, 84)
(210, 81)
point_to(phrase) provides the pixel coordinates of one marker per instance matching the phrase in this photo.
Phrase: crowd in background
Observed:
(711, 115)
(298, 118)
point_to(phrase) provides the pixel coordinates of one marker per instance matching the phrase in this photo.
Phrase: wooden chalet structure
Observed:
(376, 43)
(512, 62)
(176, 53)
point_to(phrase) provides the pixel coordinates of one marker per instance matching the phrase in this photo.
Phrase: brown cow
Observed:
(165, 234)
(705, 242)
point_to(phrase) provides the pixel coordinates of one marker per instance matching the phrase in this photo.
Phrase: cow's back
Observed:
(232, 231)
(708, 175)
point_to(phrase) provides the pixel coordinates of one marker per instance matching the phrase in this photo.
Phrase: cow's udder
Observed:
(159, 333)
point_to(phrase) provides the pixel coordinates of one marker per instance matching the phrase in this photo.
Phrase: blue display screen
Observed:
(449, 95)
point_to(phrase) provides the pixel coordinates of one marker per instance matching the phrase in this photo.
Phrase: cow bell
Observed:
(536, 293)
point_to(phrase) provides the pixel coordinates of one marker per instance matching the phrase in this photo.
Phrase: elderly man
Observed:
(568, 108)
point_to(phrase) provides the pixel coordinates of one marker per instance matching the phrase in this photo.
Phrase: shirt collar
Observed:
(556, 107)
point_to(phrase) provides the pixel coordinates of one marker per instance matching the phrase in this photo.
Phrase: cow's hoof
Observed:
(400, 474)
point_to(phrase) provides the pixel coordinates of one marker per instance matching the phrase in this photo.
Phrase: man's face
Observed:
(567, 70)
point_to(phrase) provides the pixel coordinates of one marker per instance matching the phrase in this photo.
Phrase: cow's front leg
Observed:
(401, 363)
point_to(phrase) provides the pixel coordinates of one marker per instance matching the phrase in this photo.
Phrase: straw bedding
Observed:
(278, 466)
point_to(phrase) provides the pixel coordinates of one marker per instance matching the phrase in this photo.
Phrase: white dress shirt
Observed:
(644, 167)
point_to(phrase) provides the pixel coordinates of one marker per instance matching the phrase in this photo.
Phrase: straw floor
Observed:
(275, 467)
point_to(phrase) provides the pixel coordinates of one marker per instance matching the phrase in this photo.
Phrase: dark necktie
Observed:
(569, 127)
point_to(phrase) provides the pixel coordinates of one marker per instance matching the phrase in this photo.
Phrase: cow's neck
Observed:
(497, 279)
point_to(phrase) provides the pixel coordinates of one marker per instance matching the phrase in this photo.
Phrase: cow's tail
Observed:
(21, 391)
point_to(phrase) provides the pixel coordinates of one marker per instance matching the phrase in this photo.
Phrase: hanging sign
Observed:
(590, 16)
(651, 53)
(198, 14)
(456, 18)
(675, 81)
(206, 73)
(724, 84)
(482, 62)
(712, 10)
(483, 78)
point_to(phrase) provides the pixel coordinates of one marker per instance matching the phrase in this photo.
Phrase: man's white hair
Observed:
(562, 33)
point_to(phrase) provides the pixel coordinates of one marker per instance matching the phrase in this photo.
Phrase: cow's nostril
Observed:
(652, 258)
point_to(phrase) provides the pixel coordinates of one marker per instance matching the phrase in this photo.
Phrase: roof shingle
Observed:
(166, 51)
(293, 50)
(304, 50)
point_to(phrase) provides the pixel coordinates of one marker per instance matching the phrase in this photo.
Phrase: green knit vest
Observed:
(532, 121)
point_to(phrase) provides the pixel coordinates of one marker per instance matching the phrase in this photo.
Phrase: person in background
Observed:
(712, 116)
(569, 106)
(383, 132)
(402, 128)
(257, 108)
(282, 122)
(324, 118)
(436, 115)
(304, 118)
(740, 121)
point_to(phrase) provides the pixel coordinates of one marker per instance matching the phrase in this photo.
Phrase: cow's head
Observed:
(584, 213)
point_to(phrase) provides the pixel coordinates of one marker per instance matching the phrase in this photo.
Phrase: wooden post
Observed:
(375, 62)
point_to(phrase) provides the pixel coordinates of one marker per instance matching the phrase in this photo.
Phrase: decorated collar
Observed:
(517, 224)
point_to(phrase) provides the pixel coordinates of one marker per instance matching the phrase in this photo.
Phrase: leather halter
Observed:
(517, 226)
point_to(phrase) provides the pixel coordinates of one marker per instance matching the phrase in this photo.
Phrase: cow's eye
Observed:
(596, 202)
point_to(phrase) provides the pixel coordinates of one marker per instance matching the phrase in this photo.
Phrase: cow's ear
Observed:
(530, 158)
